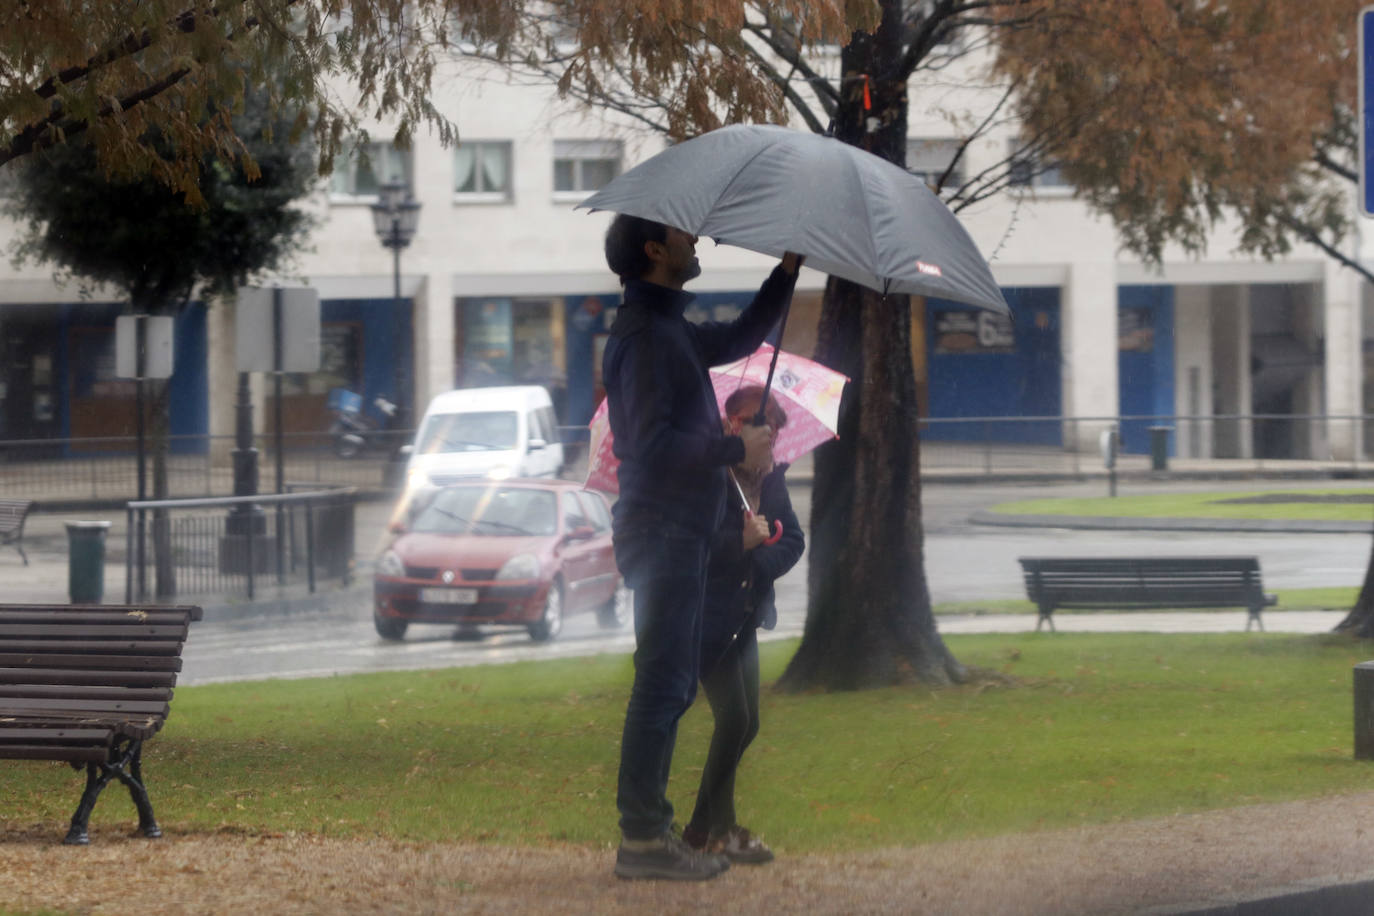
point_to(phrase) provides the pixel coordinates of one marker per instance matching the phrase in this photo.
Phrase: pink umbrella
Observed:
(806, 390)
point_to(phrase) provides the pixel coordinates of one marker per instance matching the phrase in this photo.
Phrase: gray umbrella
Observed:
(774, 190)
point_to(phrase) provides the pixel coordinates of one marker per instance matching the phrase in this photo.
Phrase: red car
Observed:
(510, 552)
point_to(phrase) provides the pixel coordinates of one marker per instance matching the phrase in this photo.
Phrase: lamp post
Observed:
(395, 216)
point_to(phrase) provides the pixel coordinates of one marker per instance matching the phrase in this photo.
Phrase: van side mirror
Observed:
(537, 445)
(581, 533)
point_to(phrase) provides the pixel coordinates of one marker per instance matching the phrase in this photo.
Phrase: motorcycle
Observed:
(355, 432)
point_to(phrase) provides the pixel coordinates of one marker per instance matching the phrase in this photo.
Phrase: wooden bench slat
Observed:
(108, 676)
(73, 617)
(82, 692)
(94, 647)
(29, 705)
(48, 752)
(131, 630)
(57, 659)
(133, 726)
(191, 611)
(12, 729)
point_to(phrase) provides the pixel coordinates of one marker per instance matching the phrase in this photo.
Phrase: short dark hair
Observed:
(744, 401)
(625, 242)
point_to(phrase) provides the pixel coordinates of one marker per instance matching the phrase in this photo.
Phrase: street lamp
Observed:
(395, 216)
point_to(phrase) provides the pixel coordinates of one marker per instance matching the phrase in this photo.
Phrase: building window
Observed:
(1029, 171)
(360, 170)
(928, 158)
(580, 166)
(482, 170)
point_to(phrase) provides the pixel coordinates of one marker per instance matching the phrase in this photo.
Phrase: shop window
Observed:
(482, 171)
(580, 166)
(360, 170)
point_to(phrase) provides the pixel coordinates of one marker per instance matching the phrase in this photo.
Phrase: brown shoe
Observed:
(695, 837)
(740, 846)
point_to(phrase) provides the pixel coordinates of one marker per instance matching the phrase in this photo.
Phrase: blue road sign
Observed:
(1366, 130)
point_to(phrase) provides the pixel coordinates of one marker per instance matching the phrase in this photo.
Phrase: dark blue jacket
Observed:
(739, 586)
(662, 407)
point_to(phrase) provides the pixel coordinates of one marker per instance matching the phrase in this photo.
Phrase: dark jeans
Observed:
(667, 570)
(733, 691)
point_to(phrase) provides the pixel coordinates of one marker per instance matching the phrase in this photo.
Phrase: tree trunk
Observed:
(869, 620)
(1360, 621)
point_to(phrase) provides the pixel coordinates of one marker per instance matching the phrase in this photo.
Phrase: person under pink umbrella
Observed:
(759, 540)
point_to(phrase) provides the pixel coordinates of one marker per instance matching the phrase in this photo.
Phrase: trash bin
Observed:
(1159, 447)
(86, 561)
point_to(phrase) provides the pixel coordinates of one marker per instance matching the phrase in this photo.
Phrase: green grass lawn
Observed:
(1201, 505)
(1102, 727)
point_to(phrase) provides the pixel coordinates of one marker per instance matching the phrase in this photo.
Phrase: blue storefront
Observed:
(985, 365)
(58, 378)
(1145, 362)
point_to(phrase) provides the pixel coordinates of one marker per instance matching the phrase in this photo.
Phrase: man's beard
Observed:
(691, 271)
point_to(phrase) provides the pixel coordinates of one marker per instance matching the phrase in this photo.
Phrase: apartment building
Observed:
(504, 282)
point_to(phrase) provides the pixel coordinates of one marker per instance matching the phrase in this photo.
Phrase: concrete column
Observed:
(1193, 370)
(433, 330)
(1089, 345)
(1231, 368)
(1339, 300)
(221, 375)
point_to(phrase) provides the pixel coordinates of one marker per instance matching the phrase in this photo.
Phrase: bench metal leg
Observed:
(1046, 616)
(1255, 619)
(125, 764)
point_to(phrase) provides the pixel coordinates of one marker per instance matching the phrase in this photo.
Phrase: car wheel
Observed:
(550, 623)
(617, 612)
(389, 627)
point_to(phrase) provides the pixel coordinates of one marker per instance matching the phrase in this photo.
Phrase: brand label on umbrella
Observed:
(931, 269)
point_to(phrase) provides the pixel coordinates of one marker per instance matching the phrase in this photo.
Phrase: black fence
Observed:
(106, 469)
(238, 545)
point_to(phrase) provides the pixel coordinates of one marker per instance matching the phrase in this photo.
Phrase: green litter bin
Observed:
(1159, 447)
(86, 561)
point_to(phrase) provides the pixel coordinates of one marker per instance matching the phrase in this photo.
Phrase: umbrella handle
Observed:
(777, 529)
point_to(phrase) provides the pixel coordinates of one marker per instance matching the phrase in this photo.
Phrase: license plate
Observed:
(448, 595)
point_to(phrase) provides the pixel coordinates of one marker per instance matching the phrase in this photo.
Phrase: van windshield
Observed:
(495, 430)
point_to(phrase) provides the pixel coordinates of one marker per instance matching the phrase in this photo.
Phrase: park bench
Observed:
(12, 515)
(1128, 583)
(88, 685)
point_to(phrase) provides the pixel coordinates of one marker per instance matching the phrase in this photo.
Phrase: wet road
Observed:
(964, 562)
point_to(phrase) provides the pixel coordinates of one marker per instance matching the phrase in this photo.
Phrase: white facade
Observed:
(527, 242)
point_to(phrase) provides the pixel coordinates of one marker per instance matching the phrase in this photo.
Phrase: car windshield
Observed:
(488, 511)
(476, 431)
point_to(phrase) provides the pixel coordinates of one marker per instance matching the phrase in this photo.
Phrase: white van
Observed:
(486, 432)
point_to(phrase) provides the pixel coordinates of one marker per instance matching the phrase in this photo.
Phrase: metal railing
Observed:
(1069, 445)
(74, 470)
(232, 545)
(106, 469)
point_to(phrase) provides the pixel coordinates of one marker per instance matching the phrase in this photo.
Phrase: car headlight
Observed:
(501, 473)
(520, 566)
(390, 565)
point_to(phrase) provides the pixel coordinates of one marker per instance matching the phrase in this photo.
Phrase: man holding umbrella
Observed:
(673, 486)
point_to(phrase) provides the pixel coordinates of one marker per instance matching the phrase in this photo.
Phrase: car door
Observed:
(578, 555)
(604, 574)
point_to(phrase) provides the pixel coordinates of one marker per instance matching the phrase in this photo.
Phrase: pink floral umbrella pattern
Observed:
(808, 391)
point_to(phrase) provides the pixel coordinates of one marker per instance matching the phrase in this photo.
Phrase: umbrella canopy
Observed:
(774, 190)
(806, 390)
